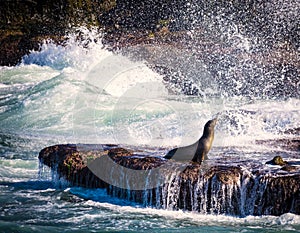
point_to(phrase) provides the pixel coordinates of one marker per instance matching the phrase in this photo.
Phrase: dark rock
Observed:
(281, 195)
(284, 143)
(70, 163)
(25, 24)
(277, 160)
(290, 168)
(207, 188)
(295, 131)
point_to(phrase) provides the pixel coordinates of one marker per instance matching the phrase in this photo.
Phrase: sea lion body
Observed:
(198, 151)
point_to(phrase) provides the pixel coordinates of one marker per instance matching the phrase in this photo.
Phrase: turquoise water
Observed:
(89, 95)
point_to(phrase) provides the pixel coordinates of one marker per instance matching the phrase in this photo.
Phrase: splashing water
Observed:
(82, 93)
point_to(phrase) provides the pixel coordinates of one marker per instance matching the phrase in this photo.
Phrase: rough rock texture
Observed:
(277, 160)
(25, 24)
(292, 144)
(207, 188)
(196, 45)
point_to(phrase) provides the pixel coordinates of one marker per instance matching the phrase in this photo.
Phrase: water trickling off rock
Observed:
(208, 188)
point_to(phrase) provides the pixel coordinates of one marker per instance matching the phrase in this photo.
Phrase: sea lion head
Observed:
(210, 125)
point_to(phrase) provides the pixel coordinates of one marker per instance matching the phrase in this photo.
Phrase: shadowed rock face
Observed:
(207, 188)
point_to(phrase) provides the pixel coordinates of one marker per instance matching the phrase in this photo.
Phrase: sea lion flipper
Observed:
(170, 154)
(198, 158)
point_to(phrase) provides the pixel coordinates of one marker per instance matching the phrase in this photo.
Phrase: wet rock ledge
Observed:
(147, 178)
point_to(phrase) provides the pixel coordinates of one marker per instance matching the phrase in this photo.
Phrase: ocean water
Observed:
(77, 94)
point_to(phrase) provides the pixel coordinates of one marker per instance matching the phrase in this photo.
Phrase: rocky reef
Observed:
(238, 189)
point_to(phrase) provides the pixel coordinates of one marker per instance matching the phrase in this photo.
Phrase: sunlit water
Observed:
(73, 94)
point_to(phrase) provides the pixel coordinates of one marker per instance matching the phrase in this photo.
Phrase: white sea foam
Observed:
(168, 217)
(16, 170)
(99, 199)
(87, 94)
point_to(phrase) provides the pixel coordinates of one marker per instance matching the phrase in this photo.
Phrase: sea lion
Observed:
(197, 152)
